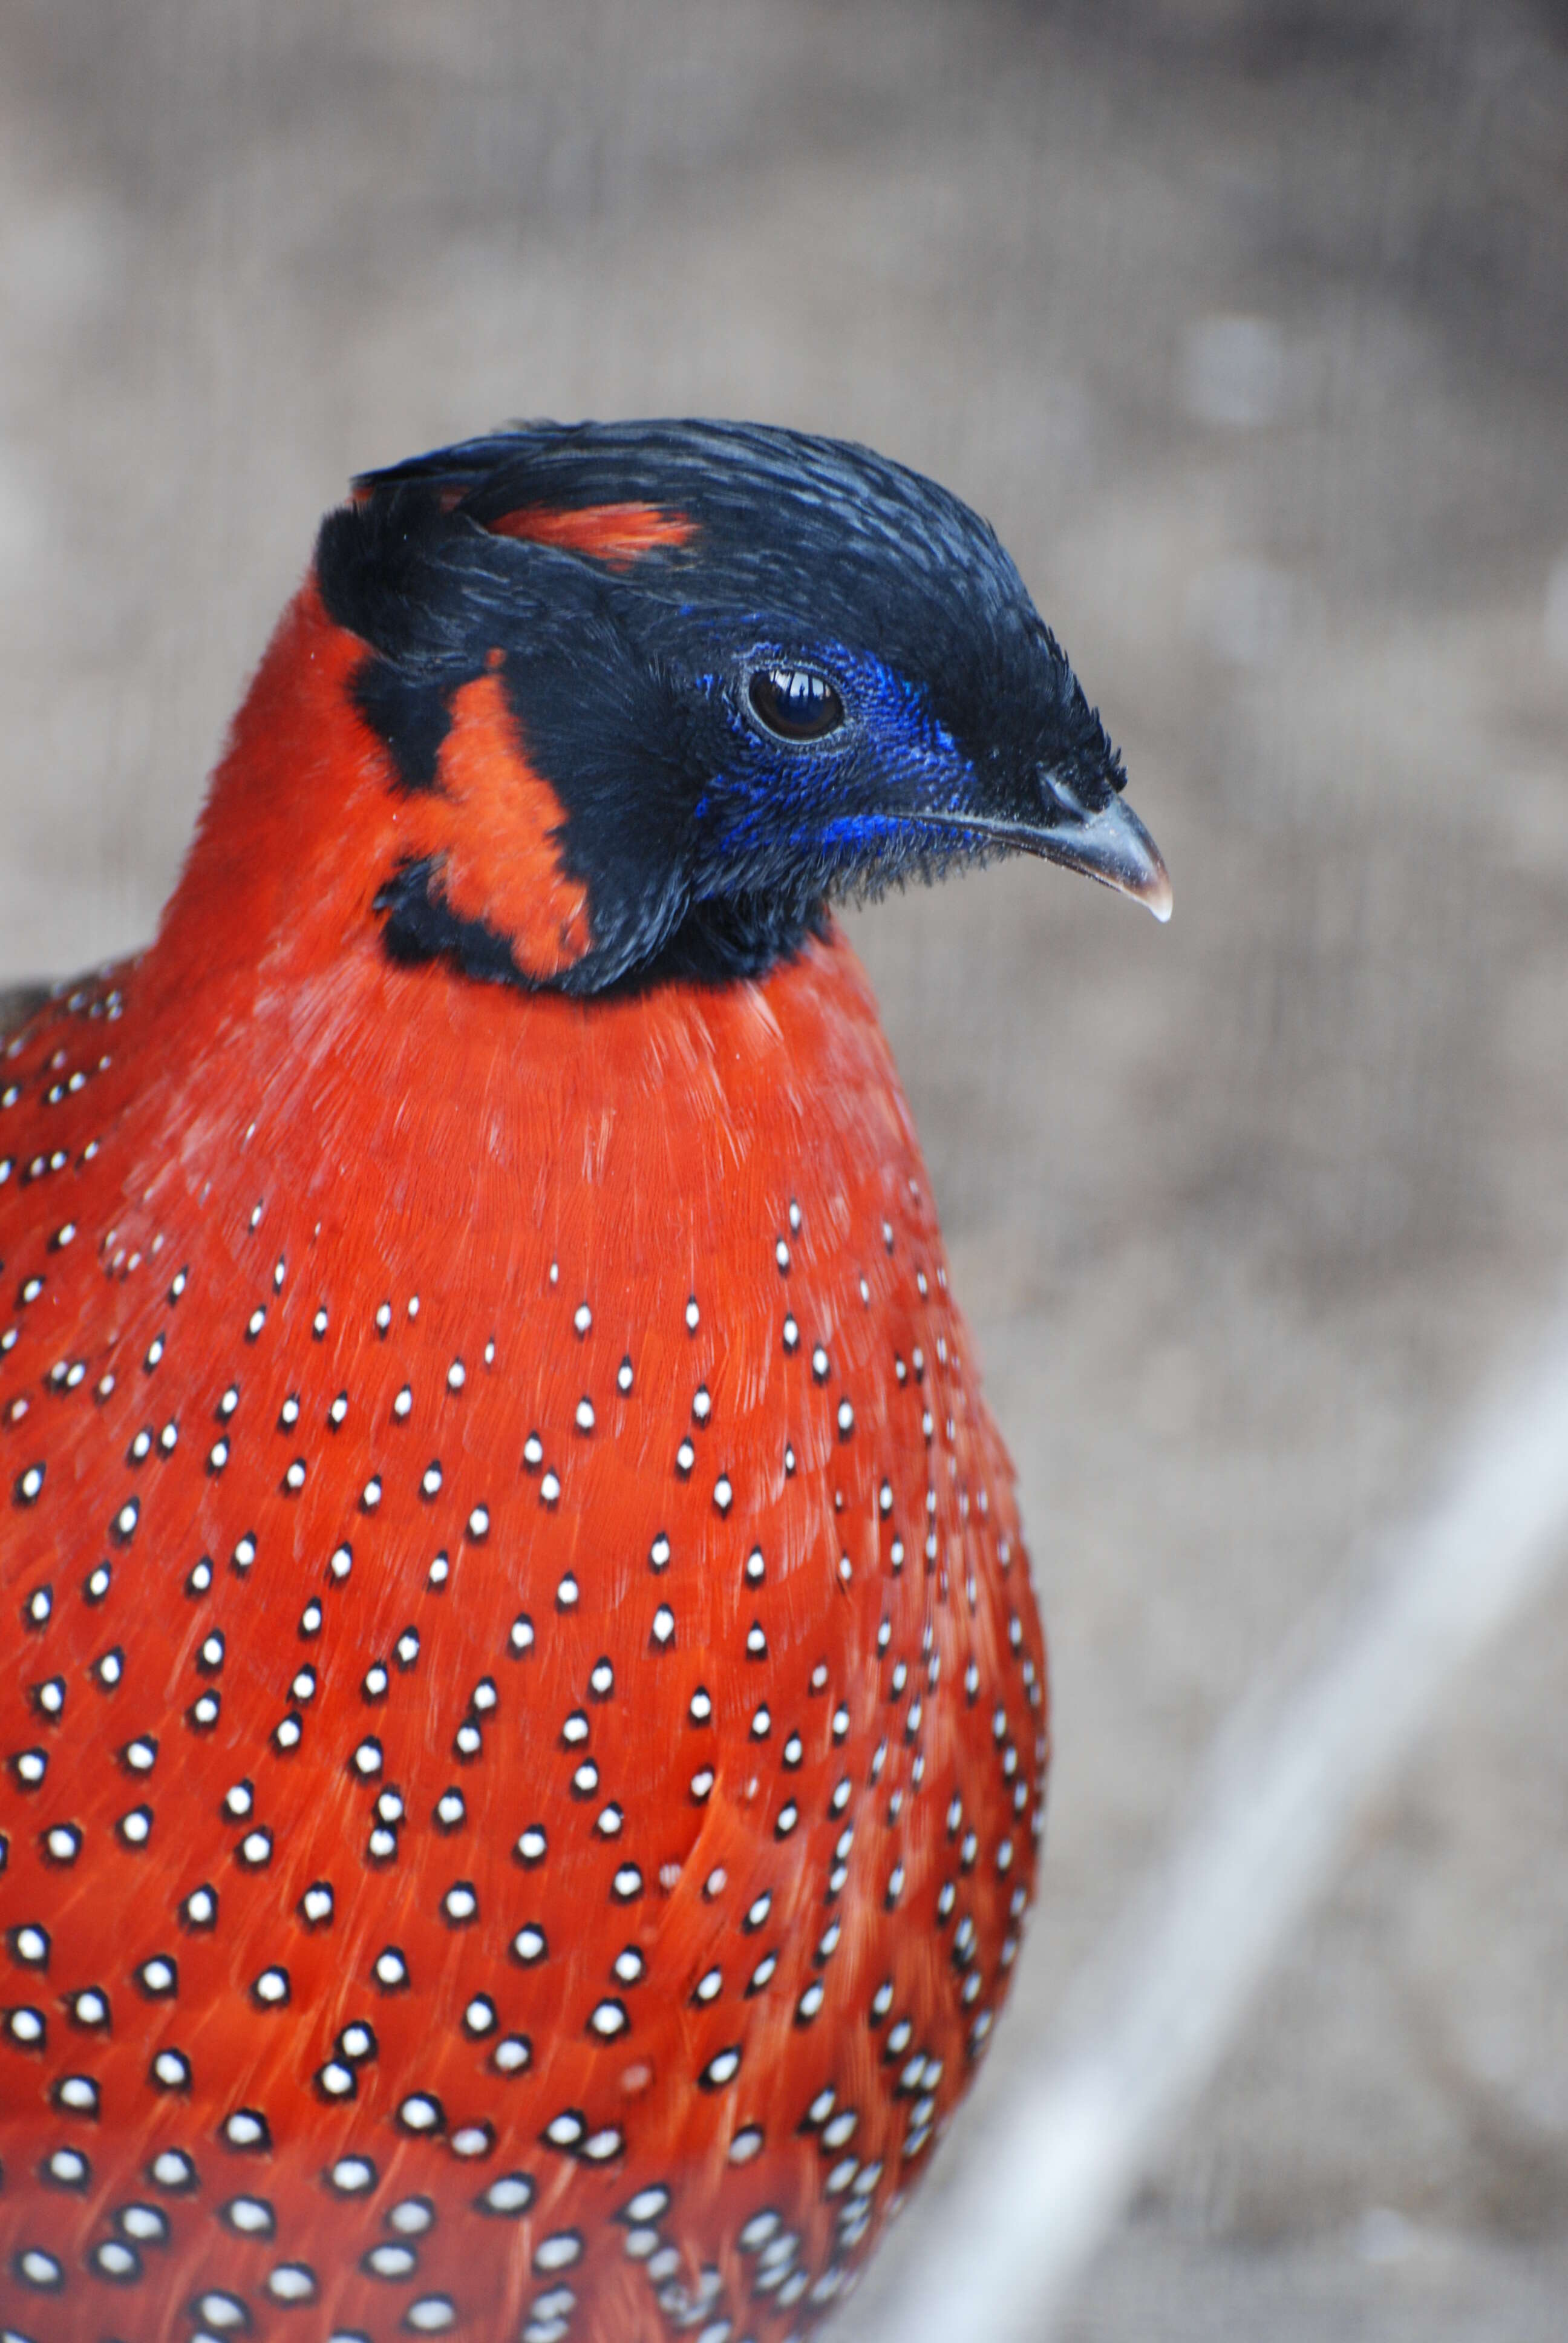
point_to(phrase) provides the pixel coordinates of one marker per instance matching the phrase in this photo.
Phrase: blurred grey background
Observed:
(1247, 322)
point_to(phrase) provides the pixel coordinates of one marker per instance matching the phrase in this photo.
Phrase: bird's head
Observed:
(651, 695)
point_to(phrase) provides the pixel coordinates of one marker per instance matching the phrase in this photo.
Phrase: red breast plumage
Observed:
(522, 1711)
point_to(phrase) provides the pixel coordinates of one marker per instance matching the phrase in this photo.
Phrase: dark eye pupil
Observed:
(795, 702)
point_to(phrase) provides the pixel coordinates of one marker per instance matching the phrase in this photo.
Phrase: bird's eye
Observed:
(795, 703)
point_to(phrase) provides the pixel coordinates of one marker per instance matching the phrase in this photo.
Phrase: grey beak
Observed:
(1111, 846)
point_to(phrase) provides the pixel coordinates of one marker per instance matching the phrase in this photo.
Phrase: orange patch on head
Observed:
(617, 533)
(493, 823)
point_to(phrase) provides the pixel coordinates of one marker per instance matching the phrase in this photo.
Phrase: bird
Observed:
(523, 1713)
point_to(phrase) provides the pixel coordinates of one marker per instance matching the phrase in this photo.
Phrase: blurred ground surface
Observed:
(1248, 325)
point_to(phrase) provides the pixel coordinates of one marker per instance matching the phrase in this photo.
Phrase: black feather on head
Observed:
(670, 604)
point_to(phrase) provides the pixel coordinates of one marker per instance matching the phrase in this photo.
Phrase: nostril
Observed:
(1061, 800)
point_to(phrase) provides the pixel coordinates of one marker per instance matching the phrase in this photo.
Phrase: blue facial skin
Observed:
(842, 802)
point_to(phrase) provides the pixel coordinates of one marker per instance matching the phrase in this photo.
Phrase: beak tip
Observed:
(1125, 857)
